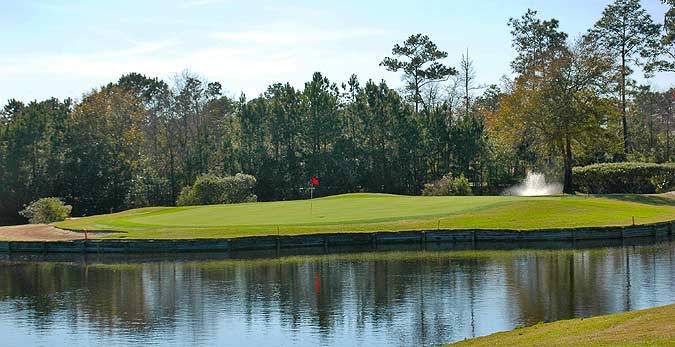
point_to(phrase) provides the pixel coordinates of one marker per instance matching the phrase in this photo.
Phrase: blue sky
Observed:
(66, 48)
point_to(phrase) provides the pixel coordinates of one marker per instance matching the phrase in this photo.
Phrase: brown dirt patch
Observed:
(41, 232)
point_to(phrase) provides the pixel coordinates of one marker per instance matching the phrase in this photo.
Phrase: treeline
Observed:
(140, 140)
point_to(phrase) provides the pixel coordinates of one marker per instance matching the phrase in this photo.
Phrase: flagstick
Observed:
(311, 196)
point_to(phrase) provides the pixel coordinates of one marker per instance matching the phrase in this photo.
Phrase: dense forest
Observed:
(570, 101)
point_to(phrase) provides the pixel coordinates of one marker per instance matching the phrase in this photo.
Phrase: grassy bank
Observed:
(372, 212)
(652, 327)
(379, 212)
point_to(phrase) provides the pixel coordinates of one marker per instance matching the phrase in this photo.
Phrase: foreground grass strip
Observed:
(379, 212)
(652, 327)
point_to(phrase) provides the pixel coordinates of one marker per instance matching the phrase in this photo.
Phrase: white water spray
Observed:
(534, 185)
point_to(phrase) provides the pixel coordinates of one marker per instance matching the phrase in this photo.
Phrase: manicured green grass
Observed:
(379, 212)
(653, 327)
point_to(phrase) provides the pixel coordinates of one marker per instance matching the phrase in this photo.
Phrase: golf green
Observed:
(379, 212)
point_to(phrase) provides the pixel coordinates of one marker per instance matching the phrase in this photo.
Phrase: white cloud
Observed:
(246, 61)
(115, 63)
(199, 3)
(95, 63)
(290, 36)
(141, 48)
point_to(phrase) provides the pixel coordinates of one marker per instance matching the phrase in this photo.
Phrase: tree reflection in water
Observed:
(375, 298)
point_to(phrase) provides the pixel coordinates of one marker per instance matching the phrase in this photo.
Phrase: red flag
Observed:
(315, 181)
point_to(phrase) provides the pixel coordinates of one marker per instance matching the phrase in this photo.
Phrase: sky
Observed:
(67, 48)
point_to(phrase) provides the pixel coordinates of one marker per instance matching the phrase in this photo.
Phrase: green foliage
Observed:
(651, 119)
(448, 186)
(626, 28)
(662, 54)
(532, 39)
(136, 142)
(558, 101)
(104, 146)
(421, 65)
(629, 177)
(46, 210)
(239, 188)
(147, 188)
(31, 153)
(462, 186)
(626, 31)
(664, 182)
(210, 190)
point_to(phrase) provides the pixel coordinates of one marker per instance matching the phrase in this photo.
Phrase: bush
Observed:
(207, 190)
(448, 185)
(239, 188)
(631, 177)
(46, 210)
(211, 189)
(462, 186)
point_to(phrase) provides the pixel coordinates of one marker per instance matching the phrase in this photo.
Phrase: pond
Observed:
(385, 298)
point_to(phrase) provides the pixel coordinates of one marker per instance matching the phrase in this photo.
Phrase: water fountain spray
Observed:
(534, 185)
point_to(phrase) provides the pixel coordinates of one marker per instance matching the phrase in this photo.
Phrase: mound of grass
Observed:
(653, 327)
(378, 212)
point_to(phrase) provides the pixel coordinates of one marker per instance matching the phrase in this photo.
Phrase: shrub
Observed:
(462, 186)
(210, 189)
(448, 185)
(439, 187)
(46, 210)
(239, 188)
(631, 177)
(186, 197)
(664, 182)
(207, 190)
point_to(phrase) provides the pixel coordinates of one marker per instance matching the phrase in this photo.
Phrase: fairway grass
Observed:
(379, 212)
(652, 327)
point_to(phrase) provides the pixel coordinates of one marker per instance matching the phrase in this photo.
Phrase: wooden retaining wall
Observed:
(373, 240)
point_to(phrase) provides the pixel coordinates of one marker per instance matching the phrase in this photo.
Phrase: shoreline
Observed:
(645, 327)
(661, 230)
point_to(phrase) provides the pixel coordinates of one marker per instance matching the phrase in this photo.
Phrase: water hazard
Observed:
(374, 298)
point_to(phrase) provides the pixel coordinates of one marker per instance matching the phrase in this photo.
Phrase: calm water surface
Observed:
(374, 299)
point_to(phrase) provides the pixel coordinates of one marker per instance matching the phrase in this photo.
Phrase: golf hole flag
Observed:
(315, 181)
